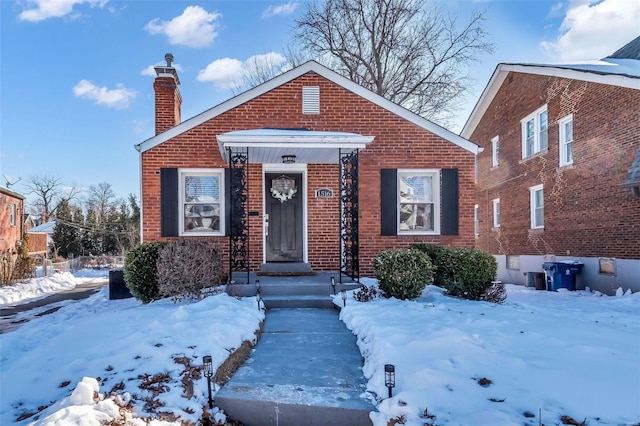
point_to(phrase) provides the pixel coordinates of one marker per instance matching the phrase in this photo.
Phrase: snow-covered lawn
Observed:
(571, 355)
(541, 354)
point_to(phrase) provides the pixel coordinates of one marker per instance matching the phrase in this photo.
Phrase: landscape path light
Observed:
(333, 284)
(390, 377)
(258, 299)
(207, 366)
(344, 297)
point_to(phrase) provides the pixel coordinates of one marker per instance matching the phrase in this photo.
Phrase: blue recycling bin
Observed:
(561, 274)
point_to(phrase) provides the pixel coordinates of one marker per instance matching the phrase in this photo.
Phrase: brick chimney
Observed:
(168, 98)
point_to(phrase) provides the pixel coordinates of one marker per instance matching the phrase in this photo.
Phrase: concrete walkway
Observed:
(305, 370)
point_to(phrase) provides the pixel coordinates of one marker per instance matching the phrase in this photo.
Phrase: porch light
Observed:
(390, 377)
(344, 297)
(333, 284)
(288, 159)
(208, 373)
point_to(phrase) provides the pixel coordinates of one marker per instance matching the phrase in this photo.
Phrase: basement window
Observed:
(311, 100)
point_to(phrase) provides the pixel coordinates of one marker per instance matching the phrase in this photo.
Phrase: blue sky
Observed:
(76, 75)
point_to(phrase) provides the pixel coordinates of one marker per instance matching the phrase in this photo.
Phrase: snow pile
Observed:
(37, 288)
(121, 344)
(458, 362)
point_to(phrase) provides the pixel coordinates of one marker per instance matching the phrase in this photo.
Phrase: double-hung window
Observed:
(201, 201)
(536, 196)
(496, 212)
(495, 151)
(566, 140)
(418, 201)
(535, 132)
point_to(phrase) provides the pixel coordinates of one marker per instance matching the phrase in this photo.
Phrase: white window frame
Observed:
(565, 145)
(538, 145)
(495, 151)
(181, 201)
(496, 212)
(435, 182)
(476, 220)
(13, 212)
(533, 207)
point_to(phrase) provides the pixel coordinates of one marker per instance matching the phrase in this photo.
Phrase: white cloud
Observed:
(224, 73)
(194, 28)
(118, 98)
(595, 29)
(229, 73)
(39, 10)
(280, 10)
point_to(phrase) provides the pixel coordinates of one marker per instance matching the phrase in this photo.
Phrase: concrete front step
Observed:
(288, 405)
(298, 301)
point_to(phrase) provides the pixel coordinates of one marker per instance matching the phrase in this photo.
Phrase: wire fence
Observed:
(83, 262)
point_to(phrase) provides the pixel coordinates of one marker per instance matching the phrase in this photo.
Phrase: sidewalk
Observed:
(305, 370)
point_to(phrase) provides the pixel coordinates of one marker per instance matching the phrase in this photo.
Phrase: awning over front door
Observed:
(270, 145)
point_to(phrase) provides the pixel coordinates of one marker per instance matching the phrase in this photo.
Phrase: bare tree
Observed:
(408, 51)
(49, 191)
(101, 198)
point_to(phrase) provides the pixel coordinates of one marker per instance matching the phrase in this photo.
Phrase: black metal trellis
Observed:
(238, 218)
(349, 214)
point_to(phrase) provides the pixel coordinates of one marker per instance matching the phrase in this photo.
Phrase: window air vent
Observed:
(311, 100)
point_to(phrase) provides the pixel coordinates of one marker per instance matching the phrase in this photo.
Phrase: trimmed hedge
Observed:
(141, 273)
(466, 272)
(402, 273)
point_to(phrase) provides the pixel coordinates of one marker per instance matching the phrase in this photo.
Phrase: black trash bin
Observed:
(561, 274)
(117, 287)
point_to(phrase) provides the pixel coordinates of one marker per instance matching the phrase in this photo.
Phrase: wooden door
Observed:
(284, 203)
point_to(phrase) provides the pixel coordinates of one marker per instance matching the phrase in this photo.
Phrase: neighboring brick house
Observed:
(11, 223)
(557, 178)
(306, 172)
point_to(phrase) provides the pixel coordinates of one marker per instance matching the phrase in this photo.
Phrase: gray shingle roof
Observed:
(630, 50)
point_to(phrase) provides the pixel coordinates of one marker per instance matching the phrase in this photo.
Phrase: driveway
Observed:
(13, 317)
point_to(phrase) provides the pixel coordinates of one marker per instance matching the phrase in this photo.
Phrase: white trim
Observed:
(495, 151)
(277, 168)
(476, 220)
(221, 192)
(533, 206)
(437, 193)
(307, 67)
(496, 209)
(502, 70)
(537, 140)
(562, 143)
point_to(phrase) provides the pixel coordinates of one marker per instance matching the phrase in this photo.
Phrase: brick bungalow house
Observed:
(559, 176)
(306, 172)
(11, 223)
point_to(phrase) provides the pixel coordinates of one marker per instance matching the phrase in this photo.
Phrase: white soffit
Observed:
(269, 145)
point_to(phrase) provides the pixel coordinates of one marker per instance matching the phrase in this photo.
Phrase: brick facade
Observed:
(10, 234)
(398, 143)
(586, 213)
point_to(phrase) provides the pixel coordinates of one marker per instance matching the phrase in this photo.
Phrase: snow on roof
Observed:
(47, 228)
(620, 69)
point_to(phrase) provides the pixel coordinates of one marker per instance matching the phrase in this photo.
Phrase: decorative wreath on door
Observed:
(283, 188)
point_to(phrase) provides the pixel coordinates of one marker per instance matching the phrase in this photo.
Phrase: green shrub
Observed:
(140, 271)
(466, 272)
(402, 273)
(187, 267)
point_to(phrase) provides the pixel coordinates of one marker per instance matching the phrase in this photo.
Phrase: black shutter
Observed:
(450, 197)
(169, 202)
(388, 202)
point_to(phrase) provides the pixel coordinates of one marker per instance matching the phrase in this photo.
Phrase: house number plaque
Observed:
(324, 193)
